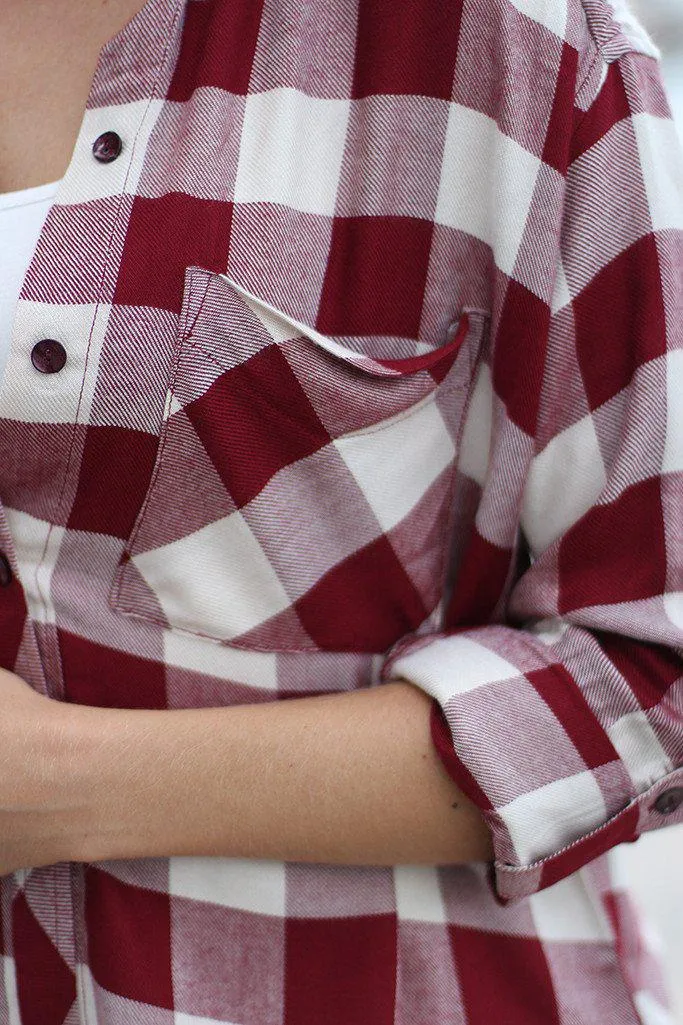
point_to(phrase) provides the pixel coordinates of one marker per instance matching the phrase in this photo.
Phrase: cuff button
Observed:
(670, 801)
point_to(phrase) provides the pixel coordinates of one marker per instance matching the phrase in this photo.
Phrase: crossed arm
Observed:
(347, 779)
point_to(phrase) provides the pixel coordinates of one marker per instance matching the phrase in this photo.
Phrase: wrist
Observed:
(67, 788)
(95, 768)
(47, 803)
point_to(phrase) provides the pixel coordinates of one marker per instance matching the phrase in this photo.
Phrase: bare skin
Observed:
(349, 778)
(48, 55)
(344, 779)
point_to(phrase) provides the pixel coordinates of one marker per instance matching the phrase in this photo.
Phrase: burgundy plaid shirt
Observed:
(374, 339)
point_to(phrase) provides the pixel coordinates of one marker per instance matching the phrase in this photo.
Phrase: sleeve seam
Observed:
(609, 50)
(611, 35)
(598, 59)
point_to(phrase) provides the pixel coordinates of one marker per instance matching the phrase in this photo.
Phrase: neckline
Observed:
(26, 197)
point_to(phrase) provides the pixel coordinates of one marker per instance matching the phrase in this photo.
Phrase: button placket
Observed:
(30, 390)
(49, 356)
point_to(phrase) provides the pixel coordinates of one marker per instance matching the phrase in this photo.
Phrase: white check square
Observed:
(672, 461)
(37, 547)
(418, 894)
(564, 481)
(451, 666)
(31, 397)
(551, 13)
(476, 436)
(215, 582)
(134, 122)
(636, 744)
(492, 207)
(257, 886)
(663, 178)
(567, 913)
(292, 150)
(395, 463)
(551, 817)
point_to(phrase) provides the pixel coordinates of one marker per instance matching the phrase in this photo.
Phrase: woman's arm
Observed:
(348, 779)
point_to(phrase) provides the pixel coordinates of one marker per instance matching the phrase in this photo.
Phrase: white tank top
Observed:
(22, 215)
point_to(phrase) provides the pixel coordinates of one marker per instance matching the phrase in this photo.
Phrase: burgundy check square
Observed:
(202, 59)
(50, 989)
(346, 609)
(253, 421)
(197, 230)
(313, 949)
(104, 678)
(638, 513)
(108, 451)
(624, 301)
(476, 952)
(133, 957)
(376, 273)
(392, 53)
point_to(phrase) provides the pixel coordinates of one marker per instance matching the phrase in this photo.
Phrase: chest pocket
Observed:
(301, 493)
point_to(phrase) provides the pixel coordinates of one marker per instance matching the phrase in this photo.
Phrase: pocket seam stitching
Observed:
(115, 599)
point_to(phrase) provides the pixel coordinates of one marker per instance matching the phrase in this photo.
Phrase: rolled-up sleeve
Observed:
(558, 709)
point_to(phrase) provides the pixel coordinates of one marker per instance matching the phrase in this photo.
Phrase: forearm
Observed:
(348, 779)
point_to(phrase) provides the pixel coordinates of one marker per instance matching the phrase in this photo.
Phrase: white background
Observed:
(655, 863)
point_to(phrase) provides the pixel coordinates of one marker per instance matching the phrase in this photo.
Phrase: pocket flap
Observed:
(285, 328)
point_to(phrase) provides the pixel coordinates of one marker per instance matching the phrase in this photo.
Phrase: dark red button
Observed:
(5, 571)
(107, 147)
(670, 801)
(48, 356)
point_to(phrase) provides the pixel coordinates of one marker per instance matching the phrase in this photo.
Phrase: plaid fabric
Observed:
(374, 345)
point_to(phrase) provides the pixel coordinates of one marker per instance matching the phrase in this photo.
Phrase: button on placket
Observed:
(48, 356)
(107, 147)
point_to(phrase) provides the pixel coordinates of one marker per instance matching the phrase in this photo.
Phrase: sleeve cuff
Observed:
(553, 791)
